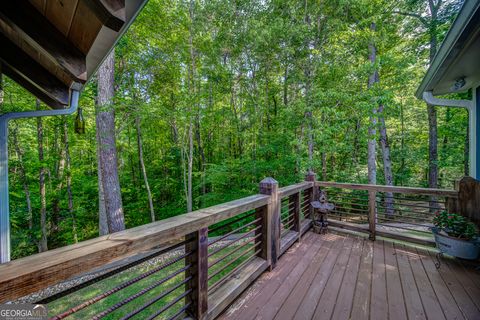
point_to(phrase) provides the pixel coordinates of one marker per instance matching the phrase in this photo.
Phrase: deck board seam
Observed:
(287, 277)
(425, 257)
(329, 272)
(453, 295)
(306, 269)
(414, 280)
(401, 283)
(430, 282)
(330, 245)
(448, 263)
(326, 283)
(356, 277)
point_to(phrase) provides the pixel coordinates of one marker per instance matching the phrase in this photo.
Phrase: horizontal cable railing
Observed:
(402, 212)
(192, 265)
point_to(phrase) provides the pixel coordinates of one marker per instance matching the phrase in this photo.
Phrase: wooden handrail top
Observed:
(294, 188)
(30, 274)
(393, 189)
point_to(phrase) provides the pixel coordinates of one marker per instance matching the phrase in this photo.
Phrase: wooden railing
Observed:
(192, 265)
(196, 264)
(404, 213)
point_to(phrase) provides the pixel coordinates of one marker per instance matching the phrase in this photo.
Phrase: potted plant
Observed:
(456, 236)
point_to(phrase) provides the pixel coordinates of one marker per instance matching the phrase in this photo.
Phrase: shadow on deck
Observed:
(345, 276)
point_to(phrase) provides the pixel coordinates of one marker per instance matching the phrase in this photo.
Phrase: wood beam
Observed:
(12, 74)
(31, 71)
(110, 12)
(24, 20)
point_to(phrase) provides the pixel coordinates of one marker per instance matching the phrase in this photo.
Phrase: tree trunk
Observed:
(142, 166)
(308, 75)
(387, 161)
(69, 180)
(23, 176)
(59, 177)
(102, 211)
(105, 121)
(402, 143)
(42, 244)
(372, 130)
(191, 84)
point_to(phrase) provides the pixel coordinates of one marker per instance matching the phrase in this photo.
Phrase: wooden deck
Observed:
(341, 276)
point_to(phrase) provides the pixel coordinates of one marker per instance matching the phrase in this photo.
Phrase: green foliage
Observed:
(455, 225)
(243, 84)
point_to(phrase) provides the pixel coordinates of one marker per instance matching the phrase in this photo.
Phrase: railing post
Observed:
(197, 243)
(294, 200)
(313, 194)
(269, 186)
(372, 213)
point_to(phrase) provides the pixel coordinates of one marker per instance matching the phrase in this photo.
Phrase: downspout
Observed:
(4, 201)
(472, 123)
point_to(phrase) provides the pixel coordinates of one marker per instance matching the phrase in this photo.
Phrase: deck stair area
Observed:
(256, 257)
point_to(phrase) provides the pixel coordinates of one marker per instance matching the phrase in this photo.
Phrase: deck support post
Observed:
(372, 213)
(197, 244)
(269, 186)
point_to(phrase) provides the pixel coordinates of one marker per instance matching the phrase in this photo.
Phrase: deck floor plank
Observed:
(459, 294)
(451, 310)
(361, 301)
(413, 302)
(378, 303)
(466, 280)
(429, 298)
(315, 256)
(344, 301)
(310, 300)
(296, 296)
(326, 304)
(396, 301)
(343, 276)
(256, 300)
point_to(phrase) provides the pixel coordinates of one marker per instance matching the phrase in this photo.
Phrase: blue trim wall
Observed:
(476, 139)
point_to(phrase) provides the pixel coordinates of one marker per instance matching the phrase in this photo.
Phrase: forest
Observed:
(201, 100)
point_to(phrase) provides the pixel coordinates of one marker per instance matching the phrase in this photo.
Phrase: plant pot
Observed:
(465, 249)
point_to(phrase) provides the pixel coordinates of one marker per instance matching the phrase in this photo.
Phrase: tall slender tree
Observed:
(107, 150)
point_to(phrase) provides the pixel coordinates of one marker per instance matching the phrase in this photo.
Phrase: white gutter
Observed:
(472, 122)
(4, 201)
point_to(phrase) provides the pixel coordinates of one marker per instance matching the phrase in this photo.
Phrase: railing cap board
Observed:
(394, 189)
(30, 274)
(289, 190)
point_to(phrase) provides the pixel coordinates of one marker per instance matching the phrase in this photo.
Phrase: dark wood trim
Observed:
(197, 243)
(110, 12)
(21, 63)
(31, 26)
(31, 88)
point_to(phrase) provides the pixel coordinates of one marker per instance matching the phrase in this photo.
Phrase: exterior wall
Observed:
(475, 142)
